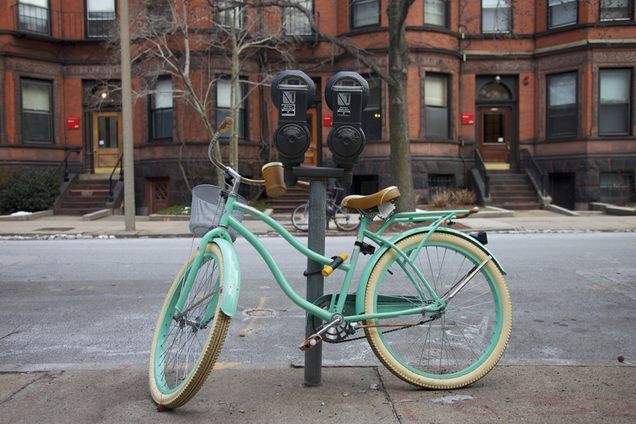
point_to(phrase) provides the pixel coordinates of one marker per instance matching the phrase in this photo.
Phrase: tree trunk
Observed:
(235, 100)
(398, 104)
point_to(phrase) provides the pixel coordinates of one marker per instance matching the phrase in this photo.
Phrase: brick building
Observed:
(495, 87)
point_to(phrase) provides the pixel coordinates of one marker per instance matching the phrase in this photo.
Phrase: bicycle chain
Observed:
(386, 332)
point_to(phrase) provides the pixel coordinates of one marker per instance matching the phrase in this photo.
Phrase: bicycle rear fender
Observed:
(231, 277)
(366, 272)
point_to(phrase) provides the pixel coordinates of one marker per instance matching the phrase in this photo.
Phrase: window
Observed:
(562, 13)
(161, 110)
(295, 21)
(33, 16)
(615, 10)
(224, 104)
(100, 17)
(37, 119)
(364, 13)
(615, 102)
(228, 14)
(436, 106)
(436, 12)
(372, 113)
(562, 110)
(495, 16)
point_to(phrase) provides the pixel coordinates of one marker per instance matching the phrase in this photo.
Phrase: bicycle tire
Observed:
(482, 308)
(345, 221)
(167, 387)
(300, 217)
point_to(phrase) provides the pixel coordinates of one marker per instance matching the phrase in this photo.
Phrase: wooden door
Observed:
(311, 155)
(107, 140)
(495, 134)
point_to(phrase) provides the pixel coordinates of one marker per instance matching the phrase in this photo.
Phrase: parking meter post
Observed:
(315, 279)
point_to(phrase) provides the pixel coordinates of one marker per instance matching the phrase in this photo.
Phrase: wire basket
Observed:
(208, 203)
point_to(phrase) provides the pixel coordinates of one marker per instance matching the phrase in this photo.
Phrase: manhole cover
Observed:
(259, 312)
(55, 229)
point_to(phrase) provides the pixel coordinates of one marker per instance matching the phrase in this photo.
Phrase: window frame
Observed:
(219, 13)
(576, 106)
(628, 124)
(352, 4)
(155, 111)
(448, 87)
(289, 14)
(242, 109)
(630, 13)
(446, 23)
(24, 120)
(549, 18)
(22, 28)
(510, 20)
(87, 20)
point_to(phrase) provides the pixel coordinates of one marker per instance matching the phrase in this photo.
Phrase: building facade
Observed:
(550, 80)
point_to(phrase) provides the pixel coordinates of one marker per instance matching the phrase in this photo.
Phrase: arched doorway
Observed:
(496, 121)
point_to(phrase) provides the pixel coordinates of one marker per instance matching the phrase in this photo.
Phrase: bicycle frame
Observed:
(433, 302)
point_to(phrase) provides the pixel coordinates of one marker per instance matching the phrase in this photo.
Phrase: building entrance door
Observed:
(495, 130)
(311, 155)
(107, 140)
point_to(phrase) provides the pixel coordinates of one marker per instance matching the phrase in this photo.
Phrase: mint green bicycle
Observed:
(432, 301)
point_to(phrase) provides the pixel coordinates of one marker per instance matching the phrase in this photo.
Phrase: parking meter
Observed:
(346, 94)
(292, 93)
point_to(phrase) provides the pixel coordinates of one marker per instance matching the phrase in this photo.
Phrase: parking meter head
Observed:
(292, 93)
(346, 95)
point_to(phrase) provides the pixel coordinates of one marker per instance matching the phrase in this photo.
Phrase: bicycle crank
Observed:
(314, 339)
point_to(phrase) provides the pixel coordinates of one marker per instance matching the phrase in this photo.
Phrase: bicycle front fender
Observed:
(231, 277)
(366, 272)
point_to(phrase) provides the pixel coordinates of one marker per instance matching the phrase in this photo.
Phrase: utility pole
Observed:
(126, 98)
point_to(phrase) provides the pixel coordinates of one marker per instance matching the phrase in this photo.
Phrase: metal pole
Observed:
(126, 100)
(316, 242)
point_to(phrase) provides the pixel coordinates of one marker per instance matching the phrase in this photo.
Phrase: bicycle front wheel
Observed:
(186, 344)
(451, 348)
(346, 221)
(300, 217)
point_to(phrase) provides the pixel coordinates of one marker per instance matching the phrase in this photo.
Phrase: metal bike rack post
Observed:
(316, 242)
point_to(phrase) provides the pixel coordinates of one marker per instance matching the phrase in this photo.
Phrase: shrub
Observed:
(442, 199)
(463, 197)
(29, 191)
(447, 198)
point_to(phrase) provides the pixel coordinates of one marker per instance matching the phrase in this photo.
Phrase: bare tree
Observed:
(183, 37)
(395, 77)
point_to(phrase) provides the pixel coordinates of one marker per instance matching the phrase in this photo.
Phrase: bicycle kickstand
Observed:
(314, 339)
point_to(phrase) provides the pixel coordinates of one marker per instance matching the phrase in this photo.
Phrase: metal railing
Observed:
(64, 163)
(111, 195)
(479, 165)
(538, 177)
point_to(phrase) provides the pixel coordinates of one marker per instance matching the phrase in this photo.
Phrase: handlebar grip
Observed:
(327, 270)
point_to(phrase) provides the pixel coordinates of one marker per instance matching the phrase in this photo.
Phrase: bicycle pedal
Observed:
(310, 342)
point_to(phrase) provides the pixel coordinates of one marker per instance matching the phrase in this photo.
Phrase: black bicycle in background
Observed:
(344, 220)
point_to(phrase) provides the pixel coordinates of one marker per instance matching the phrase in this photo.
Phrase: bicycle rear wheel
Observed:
(186, 345)
(346, 221)
(300, 217)
(460, 345)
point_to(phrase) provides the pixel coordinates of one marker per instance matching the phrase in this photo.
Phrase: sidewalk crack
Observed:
(387, 396)
(44, 376)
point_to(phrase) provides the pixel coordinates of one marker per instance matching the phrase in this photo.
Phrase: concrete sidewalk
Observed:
(522, 221)
(546, 394)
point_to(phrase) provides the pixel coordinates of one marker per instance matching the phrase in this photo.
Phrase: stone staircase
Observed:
(83, 196)
(512, 190)
(287, 203)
